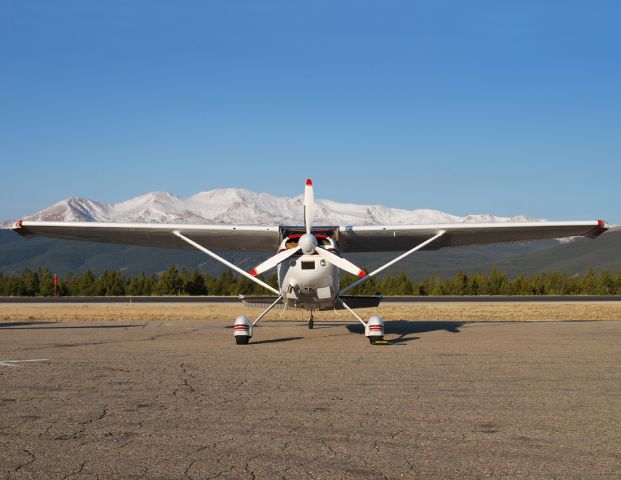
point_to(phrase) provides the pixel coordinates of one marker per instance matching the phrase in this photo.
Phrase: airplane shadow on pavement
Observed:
(275, 340)
(47, 326)
(22, 324)
(406, 328)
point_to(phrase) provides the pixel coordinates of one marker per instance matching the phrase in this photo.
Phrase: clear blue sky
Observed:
(467, 107)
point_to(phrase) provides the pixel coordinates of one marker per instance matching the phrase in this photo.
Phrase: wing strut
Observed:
(392, 262)
(225, 262)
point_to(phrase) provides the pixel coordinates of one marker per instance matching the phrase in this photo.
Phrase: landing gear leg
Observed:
(373, 329)
(311, 321)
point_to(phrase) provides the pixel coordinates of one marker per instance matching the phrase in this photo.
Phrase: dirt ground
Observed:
(501, 391)
(84, 312)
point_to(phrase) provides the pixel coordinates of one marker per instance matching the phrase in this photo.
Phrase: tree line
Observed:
(183, 282)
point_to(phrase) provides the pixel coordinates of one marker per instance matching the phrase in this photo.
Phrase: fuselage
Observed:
(308, 281)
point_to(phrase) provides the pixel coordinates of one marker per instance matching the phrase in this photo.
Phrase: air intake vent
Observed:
(308, 265)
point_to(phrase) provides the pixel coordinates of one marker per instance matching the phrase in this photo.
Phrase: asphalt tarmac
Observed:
(179, 400)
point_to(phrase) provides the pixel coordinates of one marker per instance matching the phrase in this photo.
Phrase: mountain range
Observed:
(238, 206)
(242, 207)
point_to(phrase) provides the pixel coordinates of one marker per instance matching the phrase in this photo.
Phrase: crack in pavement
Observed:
(78, 472)
(328, 447)
(82, 429)
(142, 475)
(249, 470)
(25, 464)
(217, 475)
(301, 465)
(106, 342)
(186, 382)
(126, 443)
(186, 473)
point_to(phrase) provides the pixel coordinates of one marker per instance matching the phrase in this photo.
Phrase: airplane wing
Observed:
(404, 237)
(351, 238)
(216, 237)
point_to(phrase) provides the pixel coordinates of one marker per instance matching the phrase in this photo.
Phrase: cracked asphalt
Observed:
(179, 400)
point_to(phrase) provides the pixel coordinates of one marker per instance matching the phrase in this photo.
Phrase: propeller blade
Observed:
(340, 262)
(309, 205)
(273, 261)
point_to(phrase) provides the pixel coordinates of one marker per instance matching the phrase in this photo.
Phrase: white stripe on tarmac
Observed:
(13, 363)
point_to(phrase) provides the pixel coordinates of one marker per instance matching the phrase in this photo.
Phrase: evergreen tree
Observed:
(403, 285)
(14, 287)
(477, 284)
(520, 286)
(69, 285)
(111, 284)
(618, 283)
(208, 282)
(460, 286)
(589, 283)
(169, 283)
(388, 285)
(606, 283)
(30, 280)
(497, 283)
(173, 282)
(46, 282)
(142, 285)
(225, 284)
(194, 283)
(87, 285)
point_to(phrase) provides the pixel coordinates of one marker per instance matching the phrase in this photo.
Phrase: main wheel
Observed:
(242, 339)
(311, 323)
(372, 340)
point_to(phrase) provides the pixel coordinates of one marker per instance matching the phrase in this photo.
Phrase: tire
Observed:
(373, 339)
(242, 339)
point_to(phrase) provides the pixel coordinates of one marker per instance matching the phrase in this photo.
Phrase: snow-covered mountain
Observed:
(244, 207)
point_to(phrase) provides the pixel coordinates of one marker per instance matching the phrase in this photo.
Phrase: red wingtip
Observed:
(362, 274)
(309, 181)
(20, 222)
(253, 272)
(600, 223)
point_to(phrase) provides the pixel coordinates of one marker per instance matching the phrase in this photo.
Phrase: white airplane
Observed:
(308, 258)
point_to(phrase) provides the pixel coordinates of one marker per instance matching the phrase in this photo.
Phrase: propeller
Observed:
(309, 205)
(273, 261)
(340, 262)
(308, 243)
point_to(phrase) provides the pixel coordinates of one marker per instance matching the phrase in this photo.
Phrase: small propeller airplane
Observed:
(308, 258)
